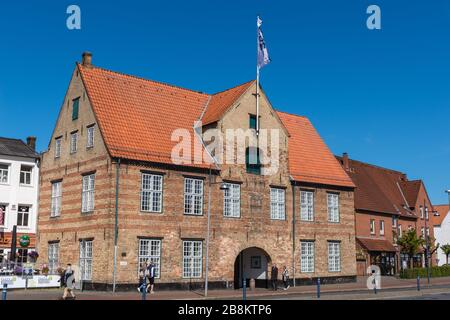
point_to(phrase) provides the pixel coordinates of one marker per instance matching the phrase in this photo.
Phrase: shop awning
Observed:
(376, 245)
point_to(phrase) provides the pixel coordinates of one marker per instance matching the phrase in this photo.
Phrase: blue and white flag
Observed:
(263, 54)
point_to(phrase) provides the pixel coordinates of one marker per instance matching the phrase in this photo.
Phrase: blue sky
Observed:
(382, 96)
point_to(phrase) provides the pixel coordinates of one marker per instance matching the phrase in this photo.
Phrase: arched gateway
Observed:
(252, 263)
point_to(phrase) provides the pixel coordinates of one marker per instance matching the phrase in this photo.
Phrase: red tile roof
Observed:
(310, 159)
(378, 245)
(443, 210)
(381, 190)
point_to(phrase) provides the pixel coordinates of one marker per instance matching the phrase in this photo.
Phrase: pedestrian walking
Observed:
(142, 275)
(274, 277)
(151, 277)
(68, 282)
(285, 276)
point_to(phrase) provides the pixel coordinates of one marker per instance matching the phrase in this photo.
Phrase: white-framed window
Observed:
(3, 208)
(306, 205)
(232, 200)
(428, 232)
(53, 257)
(151, 192)
(426, 213)
(192, 259)
(421, 212)
(307, 256)
(86, 257)
(193, 196)
(56, 199)
(58, 142)
(382, 227)
(333, 207)
(334, 256)
(4, 173)
(277, 204)
(150, 250)
(25, 175)
(87, 198)
(74, 142)
(422, 232)
(372, 226)
(90, 136)
(23, 216)
(394, 222)
(400, 231)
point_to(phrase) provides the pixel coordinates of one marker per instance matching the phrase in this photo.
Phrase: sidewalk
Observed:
(359, 287)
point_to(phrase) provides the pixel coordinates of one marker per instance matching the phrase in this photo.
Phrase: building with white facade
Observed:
(19, 190)
(441, 224)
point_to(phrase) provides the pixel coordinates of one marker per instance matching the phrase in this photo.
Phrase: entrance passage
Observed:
(252, 263)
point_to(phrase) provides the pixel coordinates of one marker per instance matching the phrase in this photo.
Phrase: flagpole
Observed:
(257, 77)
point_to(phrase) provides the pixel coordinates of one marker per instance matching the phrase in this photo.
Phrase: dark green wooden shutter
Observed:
(75, 108)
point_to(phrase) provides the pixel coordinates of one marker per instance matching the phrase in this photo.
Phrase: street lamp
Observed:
(448, 192)
(223, 186)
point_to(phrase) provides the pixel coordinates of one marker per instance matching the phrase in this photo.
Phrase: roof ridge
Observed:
(237, 86)
(378, 167)
(145, 79)
(292, 114)
(12, 139)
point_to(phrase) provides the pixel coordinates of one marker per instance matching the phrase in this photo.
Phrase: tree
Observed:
(433, 248)
(410, 244)
(446, 249)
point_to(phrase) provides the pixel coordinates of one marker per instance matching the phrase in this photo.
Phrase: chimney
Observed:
(345, 161)
(31, 142)
(86, 59)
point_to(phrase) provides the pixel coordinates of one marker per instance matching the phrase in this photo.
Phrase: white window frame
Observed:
(333, 207)
(372, 226)
(232, 200)
(28, 213)
(90, 133)
(382, 228)
(150, 250)
(277, 204)
(400, 231)
(151, 192)
(26, 174)
(58, 145)
(334, 256)
(427, 231)
(192, 259)
(56, 202)
(307, 256)
(4, 172)
(88, 193)
(86, 259)
(74, 142)
(421, 212)
(193, 196)
(422, 232)
(306, 205)
(53, 257)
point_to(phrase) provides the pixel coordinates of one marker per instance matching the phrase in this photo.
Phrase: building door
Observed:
(252, 263)
(361, 268)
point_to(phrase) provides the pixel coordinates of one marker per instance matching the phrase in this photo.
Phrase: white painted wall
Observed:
(13, 194)
(442, 235)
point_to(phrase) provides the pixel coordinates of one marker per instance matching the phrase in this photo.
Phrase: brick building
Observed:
(386, 204)
(110, 156)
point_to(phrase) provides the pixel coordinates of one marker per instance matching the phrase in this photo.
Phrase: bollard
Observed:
(375, 285)
(5, 287)
(418, 283)
(318, 288)
(244, 289)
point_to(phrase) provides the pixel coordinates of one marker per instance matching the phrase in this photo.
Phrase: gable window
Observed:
(232, 200)
(56, 199)
(372, 226)
(334, 256)
(25, 175)
(4, 173)
(75, 108)
(333, 207)
(252, 121)
(193, 196)
(74, 142)
(277, 205)
(150, 250)
(53, 257)
(58, 142)
(23, 216)
(252, 160)
(382, 227)
(151, 192)
(90, 137)
(87, 197)
(192, 259)
(306, 205)
(307, 256)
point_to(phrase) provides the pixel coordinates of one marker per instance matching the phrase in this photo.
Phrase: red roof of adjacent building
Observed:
(310, 159)
(378, 245)
(442, 210)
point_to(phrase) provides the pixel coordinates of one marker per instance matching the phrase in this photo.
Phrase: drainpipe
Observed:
(116, 224)
(293, 233)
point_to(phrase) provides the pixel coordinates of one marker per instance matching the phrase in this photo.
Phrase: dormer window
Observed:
(75, 108)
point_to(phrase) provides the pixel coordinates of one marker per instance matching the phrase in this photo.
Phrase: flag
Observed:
(263, 54)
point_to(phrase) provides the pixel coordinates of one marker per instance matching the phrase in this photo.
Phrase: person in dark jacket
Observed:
(68, 282)
(274, 277)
